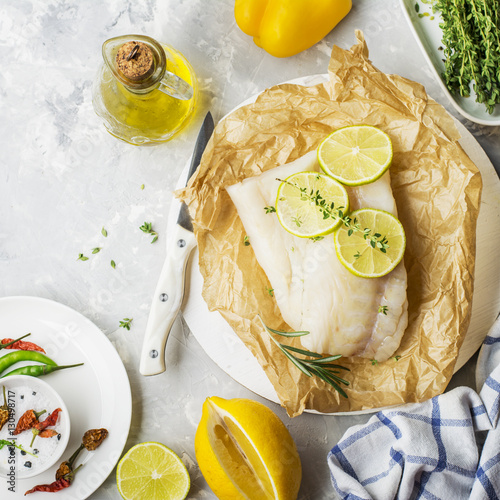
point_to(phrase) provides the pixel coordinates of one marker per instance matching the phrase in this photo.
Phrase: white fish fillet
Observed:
(313, 290)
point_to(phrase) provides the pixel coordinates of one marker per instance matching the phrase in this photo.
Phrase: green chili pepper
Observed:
(16, 357)
(38, 370)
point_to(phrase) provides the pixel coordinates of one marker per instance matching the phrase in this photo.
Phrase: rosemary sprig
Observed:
(320, 366)
(329, 210)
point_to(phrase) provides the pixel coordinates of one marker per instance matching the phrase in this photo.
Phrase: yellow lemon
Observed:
(245, 452)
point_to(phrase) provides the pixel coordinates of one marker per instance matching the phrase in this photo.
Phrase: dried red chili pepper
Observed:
(41, 426)
(64, 469)
(28, 420)
(20, 344)
(4, 411)
(64, 478)
(50, 420)
(65, 474)
(93, 438)
(47, 433)
(58, 485)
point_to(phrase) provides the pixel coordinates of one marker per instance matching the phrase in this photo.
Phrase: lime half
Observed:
(357, 253)
(307, 204)
(151, 471)
(356, 155)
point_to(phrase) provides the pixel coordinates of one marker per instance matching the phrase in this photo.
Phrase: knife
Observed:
(169, 291)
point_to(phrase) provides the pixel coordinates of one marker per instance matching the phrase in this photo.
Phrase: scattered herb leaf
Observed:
(125, 323)
(82, 257)
(383, 309)
(270, 210)
(374, 362)
(397, 358)
(96, 250)
(104, 232)
(246, 241)
(147, 227)
(113, 264)
(270, 291)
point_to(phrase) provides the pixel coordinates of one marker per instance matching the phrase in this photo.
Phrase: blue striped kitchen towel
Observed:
(427, 450)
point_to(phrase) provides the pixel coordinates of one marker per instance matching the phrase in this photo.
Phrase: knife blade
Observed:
(169, 290)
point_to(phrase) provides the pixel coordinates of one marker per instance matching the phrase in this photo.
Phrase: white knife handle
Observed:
(167, 301)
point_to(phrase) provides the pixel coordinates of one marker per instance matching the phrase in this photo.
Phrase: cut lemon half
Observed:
(364, 257)
(303, 200)
(356, 155)
(151, 471)
(245, 452)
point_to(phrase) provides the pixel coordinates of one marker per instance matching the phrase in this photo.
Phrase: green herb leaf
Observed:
(270, 291)
(270, 210)
(383, 309)
(147, 227)
(125, 323)
(96, 250)
(104, 232)
(82, 257)
(246, 241)
(113, 264)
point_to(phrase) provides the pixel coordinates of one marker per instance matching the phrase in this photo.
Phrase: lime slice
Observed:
(356, 155)
(303, 199)
(357, 253)
(151, 471)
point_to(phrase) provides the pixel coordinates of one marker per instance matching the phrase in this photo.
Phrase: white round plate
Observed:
(225, 348)
(96, 394)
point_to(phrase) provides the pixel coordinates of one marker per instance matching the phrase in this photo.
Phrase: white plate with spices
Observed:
(96, 394)
(425, 27)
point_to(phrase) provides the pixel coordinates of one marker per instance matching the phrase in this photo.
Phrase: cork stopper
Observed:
(135, 61)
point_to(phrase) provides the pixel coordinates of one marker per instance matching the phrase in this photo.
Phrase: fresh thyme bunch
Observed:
(471, 39)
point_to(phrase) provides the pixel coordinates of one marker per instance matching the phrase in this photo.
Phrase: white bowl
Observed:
(31, 393)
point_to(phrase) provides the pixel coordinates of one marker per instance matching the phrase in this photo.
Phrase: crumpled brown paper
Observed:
(437, 190)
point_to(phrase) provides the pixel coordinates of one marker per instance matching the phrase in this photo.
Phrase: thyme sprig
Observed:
(376, 240)
(320, 366)
(147, 228)
(5, 442)
(125, 323)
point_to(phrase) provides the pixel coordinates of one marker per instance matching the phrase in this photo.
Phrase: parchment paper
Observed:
(437, 190)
